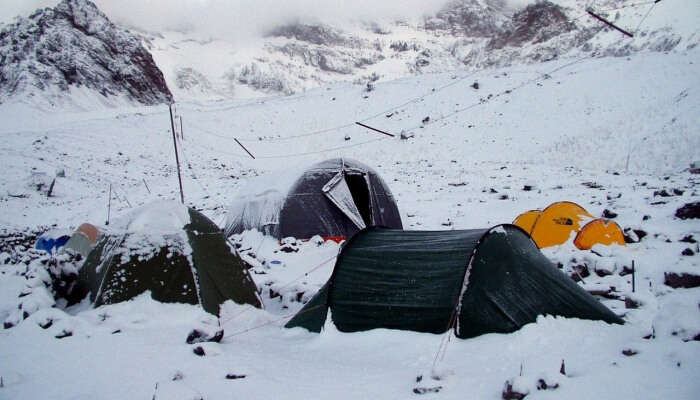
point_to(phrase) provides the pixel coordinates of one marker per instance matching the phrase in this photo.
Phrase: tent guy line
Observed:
(432, 121)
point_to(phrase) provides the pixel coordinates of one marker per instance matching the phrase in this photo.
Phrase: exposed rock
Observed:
(689, 211)
(199, 336)
(75, 45)
(537, 23)
(682, 280)
(609, 214)
(189, 79)
(469, 18)
(509, 393)
(315, 34)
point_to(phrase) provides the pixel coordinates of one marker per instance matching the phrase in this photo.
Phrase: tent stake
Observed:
(243, 147)
(177, 158)
(633, 276)
(608, 23)
(146, 185)
(374, 129)
(182, 132)
(109, 203)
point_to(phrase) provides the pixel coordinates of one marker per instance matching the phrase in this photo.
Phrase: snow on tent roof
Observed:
(163, 216)
(332, 198)
(475, 281)
(176, 253)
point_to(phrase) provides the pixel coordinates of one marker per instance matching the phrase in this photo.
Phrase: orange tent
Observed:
(556, 222)
(527, 220)
(599, 231)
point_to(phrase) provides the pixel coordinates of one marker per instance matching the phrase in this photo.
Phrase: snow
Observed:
(629, 125)
(158, 217)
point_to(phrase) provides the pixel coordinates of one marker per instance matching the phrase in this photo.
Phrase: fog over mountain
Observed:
(235, 17)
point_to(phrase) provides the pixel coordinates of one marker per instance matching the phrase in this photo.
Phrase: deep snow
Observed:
(606, 132)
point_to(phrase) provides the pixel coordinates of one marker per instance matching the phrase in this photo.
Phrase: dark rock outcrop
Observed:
(537, 23)
(76, 45)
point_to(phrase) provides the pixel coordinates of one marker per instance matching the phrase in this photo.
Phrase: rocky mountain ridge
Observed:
(465, 34)
(75, 45)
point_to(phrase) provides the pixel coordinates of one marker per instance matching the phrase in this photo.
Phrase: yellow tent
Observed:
(554, 225)
(527, 219)
(599, 231)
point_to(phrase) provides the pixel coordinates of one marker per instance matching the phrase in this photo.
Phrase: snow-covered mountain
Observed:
(465, 34)
(59, 51)
(76, 46)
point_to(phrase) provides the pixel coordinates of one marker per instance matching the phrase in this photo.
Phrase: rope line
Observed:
(283, 286)
(344, 126)
(189, 167)
(645, 17)
(273, 321)
(289, 155)
(634, 5)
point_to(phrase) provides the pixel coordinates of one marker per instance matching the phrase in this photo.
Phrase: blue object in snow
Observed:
(49, 244)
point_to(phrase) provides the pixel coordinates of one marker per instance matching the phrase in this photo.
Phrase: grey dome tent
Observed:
(335, 199)
(175, 252)
(475, 281)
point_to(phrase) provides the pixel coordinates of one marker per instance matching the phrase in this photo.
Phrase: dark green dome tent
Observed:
(477, 281)
(175, 252)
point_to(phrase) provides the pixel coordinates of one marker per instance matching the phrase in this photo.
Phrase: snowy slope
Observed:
(609, 133)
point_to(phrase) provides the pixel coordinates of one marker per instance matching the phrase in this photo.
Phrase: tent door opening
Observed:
(338, 191)
(359, 189)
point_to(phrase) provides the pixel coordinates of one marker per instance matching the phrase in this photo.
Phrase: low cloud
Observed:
(240, 19)
(230, 18)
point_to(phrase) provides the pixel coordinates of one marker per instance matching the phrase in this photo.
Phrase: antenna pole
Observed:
(177, 158)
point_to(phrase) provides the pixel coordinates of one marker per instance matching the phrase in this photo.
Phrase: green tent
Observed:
(175, 252)
(475, 281)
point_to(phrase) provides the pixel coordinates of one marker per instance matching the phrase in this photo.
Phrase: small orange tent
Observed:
(599, 231)
(556, 222)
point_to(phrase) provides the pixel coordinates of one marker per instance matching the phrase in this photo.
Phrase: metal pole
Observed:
(608, 23)
(109, 203)
(246, 150)
(177, 158)
(374, 129)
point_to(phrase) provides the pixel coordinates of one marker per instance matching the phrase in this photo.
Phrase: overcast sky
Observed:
(236, 17)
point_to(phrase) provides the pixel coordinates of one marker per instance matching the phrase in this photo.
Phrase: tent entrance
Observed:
(349, 191)
(357, 183)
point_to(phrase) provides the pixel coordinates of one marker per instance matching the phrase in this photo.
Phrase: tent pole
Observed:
(177, 158)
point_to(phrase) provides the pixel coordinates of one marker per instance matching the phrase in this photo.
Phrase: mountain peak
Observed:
(75, 46)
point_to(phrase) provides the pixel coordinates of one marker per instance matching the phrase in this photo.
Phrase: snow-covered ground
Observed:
(607, 133)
